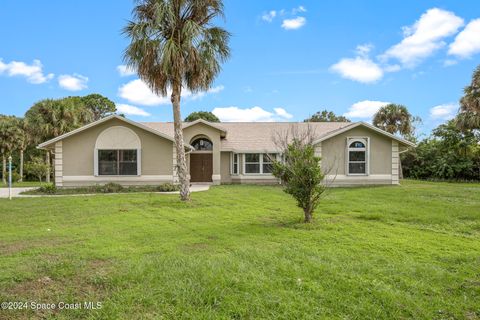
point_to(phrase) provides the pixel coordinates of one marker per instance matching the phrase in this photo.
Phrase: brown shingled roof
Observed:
(256, 136)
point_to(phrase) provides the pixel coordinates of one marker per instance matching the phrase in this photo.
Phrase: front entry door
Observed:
(201, 167)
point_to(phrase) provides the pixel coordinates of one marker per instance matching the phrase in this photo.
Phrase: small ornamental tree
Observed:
(301, 175)
(38, 168)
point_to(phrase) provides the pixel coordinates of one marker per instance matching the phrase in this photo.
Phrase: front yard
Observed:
(238, 252)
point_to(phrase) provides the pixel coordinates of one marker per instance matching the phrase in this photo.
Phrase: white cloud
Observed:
(467, 42)
(449, 62)
(360, 69)
(444, 111)
(424, 37)
(364, 49)
(299, 9)
(216, 89)
(131, 110)
(282, 113)
(364, 109)
(254, 114)
(3, 66)
(75, 82)
(269, 16)
(137, 91)
(392, 68)
(32, 72)
(125, 71)
(293, 24)
(198, 95)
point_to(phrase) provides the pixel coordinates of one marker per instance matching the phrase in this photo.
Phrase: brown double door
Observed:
(201, 167)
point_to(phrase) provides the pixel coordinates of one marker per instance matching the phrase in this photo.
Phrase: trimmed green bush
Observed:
(167, 187)
(48, 189)
(111, 188)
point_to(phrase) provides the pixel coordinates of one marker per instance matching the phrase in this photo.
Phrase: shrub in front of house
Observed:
(107, 188)
(111, 188)
(48, 189)
(168, 187)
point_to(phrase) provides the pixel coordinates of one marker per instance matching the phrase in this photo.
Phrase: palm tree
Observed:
(49, 118)
(3, 146)
(468, 117)
(173, 45)
(8, 140)
(23, 140)
(395, 119)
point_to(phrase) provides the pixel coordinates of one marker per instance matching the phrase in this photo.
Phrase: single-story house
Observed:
(116, 149)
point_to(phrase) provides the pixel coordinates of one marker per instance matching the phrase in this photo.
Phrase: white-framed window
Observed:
(202, 144)
(258, 163)
(357, 156)
(267, 162)
(118, 152)
(118, 162)
(235, 163)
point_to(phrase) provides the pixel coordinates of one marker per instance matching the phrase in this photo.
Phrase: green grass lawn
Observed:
(241, 252)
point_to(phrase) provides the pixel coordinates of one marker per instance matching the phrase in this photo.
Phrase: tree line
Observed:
(45, 120)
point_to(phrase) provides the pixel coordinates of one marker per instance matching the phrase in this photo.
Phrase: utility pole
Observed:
(10, 177)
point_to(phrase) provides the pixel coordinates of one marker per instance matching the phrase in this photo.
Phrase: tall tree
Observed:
(174, 45)
(23, 140)
(395, 119)
(50, 118)
(205, 115)
(326, 116)
(469, 113)
(8, 140)
(99, 105)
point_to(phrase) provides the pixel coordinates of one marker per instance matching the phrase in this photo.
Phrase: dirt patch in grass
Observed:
(370, 217)
(19, 246)
(86, 281)
(12, 248)
(88, 284)
(195, 247)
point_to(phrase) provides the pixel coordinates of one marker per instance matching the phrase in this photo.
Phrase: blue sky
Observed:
(289, 58)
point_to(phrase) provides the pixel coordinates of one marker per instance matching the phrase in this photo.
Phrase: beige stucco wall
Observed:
(225, 167)
(334, 151)
(78, 151)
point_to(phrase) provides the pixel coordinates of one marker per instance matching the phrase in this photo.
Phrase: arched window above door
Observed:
(202, 144)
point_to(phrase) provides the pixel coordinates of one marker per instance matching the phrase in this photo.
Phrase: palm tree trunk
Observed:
(181, 160)
(400, 170)
(47, 160)
(4, 169)
(21, 165)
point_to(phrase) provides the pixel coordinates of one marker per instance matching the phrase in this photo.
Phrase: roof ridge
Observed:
(259, 122)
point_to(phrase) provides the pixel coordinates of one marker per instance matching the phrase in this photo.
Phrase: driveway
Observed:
(15, 192)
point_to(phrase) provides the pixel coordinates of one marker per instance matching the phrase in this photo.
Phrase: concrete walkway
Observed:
(16, 192)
